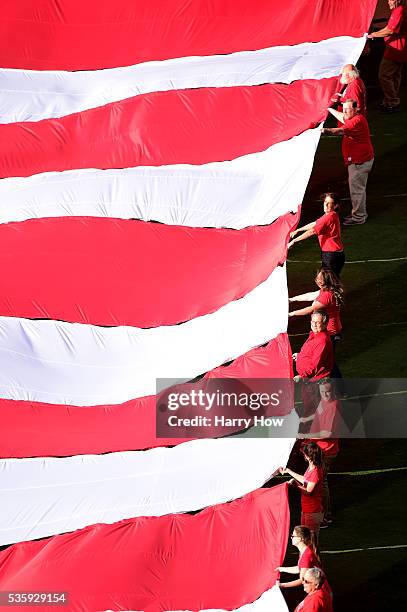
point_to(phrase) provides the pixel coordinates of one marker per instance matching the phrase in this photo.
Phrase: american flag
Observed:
(154, 155)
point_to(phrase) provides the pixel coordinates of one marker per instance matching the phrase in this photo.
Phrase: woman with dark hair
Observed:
(310, 486)
(328, 230)
(303, 539)
(329, 298)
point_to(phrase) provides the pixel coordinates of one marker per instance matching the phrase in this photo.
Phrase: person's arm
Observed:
(308, 310)
(381, 33)
(320, 435)
(308, 488)
(304, 236)
(302, 311)
(292, 583)
(304, 228)
(336, 114)
(333, 131)
(304, 297)
(294, 569)
(295, 583)
(296, 476)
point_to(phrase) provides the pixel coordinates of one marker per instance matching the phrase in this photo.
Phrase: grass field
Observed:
(365, 551)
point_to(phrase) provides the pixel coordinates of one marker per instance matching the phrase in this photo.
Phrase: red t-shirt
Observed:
(318, 601)
(396, 47)
(356, 90)
(328, 230)
(357, 147)
(316, 358)
(308, 559)
(325, 418)
(327, 299)
(312, 502)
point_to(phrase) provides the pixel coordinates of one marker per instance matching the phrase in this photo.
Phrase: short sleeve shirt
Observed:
(327, 299)
(357, 146)
(308, 559)
(396, 47)
(325, 416)
(312, 502)
(328, 230)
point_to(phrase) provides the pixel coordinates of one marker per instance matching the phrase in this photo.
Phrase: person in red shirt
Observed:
(314, 361)
(328, 230)
(395, 55)
(303, 539)
(329, 298)
(317, 599)
(310, 486)
(354, 88)
(358, 155)
(316, 358)
(325, 423)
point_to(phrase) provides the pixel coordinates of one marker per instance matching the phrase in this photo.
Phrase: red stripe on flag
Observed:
(77, 35)
(124, 272)
(223, 558)
(170, 127)
(59, 430)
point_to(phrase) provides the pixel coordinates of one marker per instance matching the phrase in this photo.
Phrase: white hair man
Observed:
(395, 55)
(317, 599)
(354, 88)
(358, 155)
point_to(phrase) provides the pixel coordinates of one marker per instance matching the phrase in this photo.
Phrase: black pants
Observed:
(333, 260)
(336, 373)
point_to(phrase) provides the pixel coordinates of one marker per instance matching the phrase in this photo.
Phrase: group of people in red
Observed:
(315, 362)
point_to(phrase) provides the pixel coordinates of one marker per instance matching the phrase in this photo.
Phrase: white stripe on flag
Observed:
(71, 363)
(253, 189)
(56, 495)
(29, 95)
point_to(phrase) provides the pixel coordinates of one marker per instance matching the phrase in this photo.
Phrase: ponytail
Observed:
(309, 539)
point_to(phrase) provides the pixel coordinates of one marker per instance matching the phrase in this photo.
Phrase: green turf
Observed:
(370, 507)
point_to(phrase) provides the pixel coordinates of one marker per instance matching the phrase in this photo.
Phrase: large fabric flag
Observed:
(153, 160)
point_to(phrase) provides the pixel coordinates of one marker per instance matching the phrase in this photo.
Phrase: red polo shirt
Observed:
(316, 358)
(357, 147)
(328, 230)
(318, 601)
(396, 47)
(356, 90)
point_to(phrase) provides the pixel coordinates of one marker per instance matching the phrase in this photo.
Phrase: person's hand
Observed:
(291, 481)
(278, 569)
(294, 356)
(336, 97)
(293, 233)
(370, 36)
(290, 244)
(290, 314)
(297, 378)
(282, 470)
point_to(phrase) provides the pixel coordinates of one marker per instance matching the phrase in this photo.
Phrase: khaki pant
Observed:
(313, 521)
(358, 174)
(390, 81)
